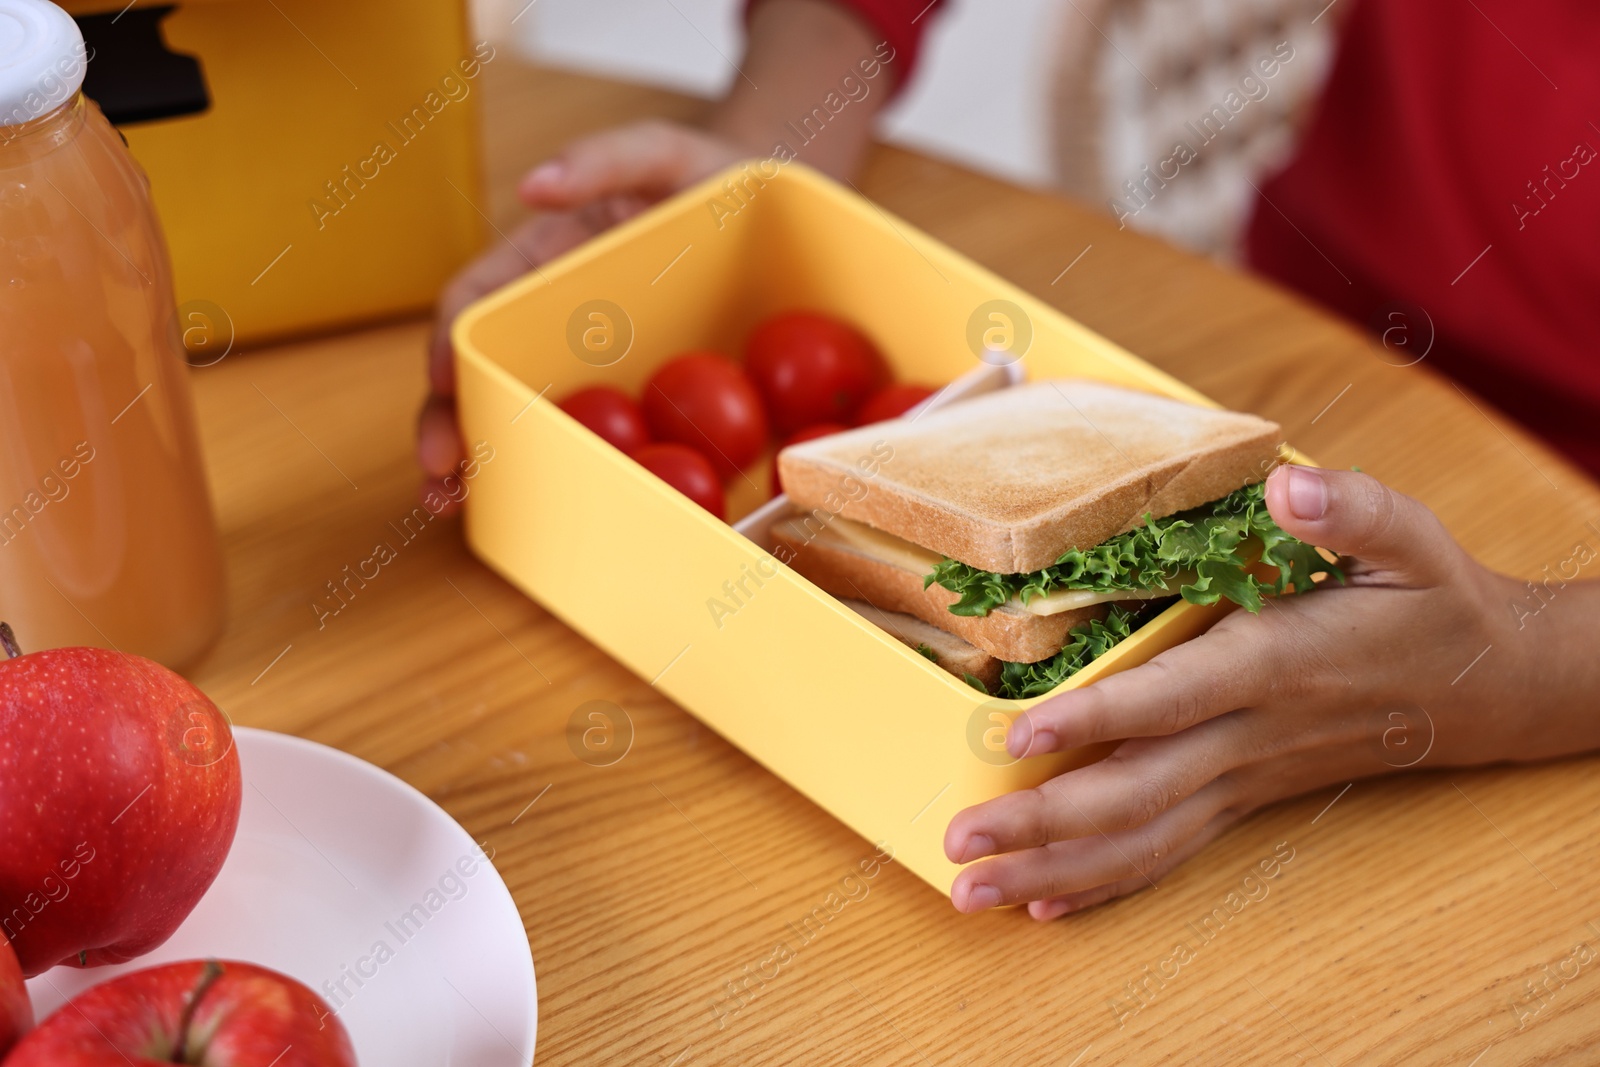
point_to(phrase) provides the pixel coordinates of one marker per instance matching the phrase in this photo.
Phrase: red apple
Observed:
(119, 797)
(16, 1012)
(216, 1013)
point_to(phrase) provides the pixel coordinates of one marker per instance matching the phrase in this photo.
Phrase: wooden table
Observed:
(1416, 908)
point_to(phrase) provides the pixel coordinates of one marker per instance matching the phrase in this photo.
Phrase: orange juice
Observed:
(106, 532)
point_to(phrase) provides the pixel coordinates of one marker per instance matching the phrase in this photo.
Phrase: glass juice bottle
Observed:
(106, 531)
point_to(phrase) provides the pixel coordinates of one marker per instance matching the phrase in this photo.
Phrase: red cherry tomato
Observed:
(810, 369)
(685, 470)
(891, 402)
(821, 429)
(611, 413)
(704, 400)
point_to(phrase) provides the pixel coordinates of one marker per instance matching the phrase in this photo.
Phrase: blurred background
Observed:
(1076, 95)
(1161, 113)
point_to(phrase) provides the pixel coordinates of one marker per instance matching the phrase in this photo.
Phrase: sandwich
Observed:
(938, 646)
(1042, 524)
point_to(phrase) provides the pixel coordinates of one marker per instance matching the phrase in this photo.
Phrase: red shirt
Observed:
(1454, 163)
(1448, 185)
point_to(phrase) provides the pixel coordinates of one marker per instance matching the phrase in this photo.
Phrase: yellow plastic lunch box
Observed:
(883, 739)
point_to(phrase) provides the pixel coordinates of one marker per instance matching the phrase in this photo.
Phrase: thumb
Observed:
(1357, 516)
(646, 159)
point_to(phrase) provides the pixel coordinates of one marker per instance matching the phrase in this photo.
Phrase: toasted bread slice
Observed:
(948, 650)
(1008, 481)
(850, 572)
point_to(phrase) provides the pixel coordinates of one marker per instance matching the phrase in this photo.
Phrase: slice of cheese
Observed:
(883, 546)
(1073, 599)
(898, 552)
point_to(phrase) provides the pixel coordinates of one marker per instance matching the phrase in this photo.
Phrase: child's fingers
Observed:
(1055, 907)
(1055, 870)
(1356, 515)
(1135, 784)
(1233, 666)
(508, 258)
(648, 158)
(440, 498)
(439, 446)
(498, 265)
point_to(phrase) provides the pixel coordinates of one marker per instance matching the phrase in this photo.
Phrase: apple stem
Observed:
(8, 640)
(208, 978)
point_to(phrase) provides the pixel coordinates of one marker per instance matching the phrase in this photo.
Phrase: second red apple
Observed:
(213, 1012)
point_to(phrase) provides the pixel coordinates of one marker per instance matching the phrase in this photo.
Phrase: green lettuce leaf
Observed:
(1210, 542)
(1085, 644)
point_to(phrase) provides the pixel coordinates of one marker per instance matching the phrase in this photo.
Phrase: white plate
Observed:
(335, 857)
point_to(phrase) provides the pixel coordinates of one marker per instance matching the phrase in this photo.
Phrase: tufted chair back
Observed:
(1170, 112)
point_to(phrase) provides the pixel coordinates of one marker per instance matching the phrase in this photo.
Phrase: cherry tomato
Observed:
(810, 369)
(891, 402)
(821, 429)
(611, 413)
(685, 470)
(704, 400)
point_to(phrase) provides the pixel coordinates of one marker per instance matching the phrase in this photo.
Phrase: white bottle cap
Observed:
(42, 59)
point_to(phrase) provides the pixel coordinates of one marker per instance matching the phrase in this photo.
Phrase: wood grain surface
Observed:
(1406, 927)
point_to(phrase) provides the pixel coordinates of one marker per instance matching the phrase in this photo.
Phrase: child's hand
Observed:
(797, 51)
(1421, 660)
(591, 186)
